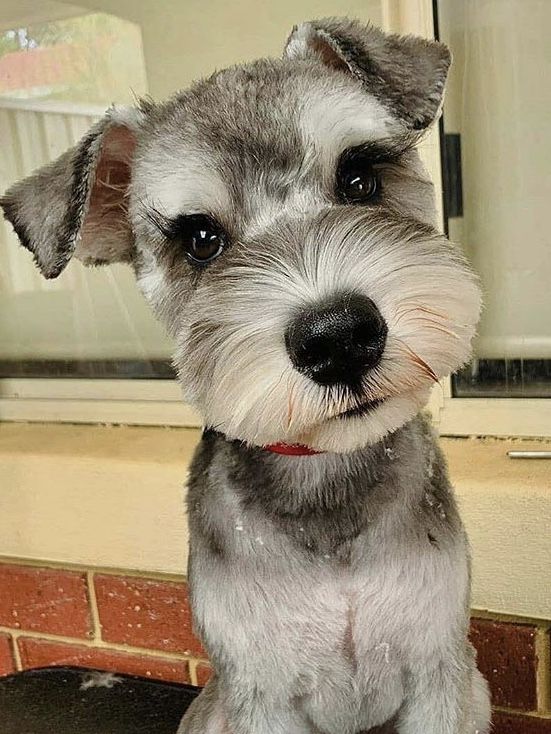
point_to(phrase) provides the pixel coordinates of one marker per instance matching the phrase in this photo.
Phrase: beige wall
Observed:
(114, 497)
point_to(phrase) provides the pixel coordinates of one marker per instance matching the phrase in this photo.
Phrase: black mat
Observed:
(76, 701)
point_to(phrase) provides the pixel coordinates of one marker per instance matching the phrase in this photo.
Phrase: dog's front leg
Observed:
(442, 700)
(252, 712)
(241, 712)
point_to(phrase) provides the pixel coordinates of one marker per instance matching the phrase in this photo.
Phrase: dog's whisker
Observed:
(419, 361)
(290, 406)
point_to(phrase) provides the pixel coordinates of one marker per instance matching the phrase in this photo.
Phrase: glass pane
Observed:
(60, 66)
(57, 76)
(496, 124)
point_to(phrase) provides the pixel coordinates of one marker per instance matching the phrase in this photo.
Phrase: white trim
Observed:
(159, 402)
(505, 417)
(90, 389)
(518, 417)
(131, 402)
(53, 107)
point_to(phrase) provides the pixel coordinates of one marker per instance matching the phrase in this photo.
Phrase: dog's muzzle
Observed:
(338, 341)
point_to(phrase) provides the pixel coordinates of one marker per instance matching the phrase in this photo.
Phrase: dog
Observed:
(281, 225)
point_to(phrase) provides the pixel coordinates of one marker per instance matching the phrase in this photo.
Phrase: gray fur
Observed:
(364, 556)
(331, 591)
(50, 211)
(407, 74)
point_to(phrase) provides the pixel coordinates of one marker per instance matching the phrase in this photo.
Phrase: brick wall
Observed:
(125, 624)
(142, 626)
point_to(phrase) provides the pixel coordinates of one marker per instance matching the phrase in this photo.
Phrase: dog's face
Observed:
(280, 223)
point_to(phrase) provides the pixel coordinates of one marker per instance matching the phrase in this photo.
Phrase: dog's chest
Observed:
(321, 621)
(347, 581)
(342, 596)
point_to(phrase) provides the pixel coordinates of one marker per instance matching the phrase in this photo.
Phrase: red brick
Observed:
(203, 672)
(7, 665)
(507, 659)
(144, 613)
(44, 600)
(512, 724)
(44, 653)
(547, 694)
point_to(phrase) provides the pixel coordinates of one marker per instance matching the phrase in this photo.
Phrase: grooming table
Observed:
(77, 701)
(81, 701)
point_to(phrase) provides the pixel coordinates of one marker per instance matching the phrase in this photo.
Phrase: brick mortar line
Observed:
(539, 622)
(542, 715)
(193, 671)
(39, 563)
(543, 671)
(100, 645)
(16, 653)
(93, 605)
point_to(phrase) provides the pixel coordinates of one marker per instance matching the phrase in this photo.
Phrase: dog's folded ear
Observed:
(407, 74)
(78, 204)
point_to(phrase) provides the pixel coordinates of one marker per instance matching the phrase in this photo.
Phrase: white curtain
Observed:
(500, 101)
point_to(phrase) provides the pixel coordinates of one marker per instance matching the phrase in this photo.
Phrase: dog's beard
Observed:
(232, 359)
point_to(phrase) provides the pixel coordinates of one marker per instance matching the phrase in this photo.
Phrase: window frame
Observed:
(132, 402)
(159, 402)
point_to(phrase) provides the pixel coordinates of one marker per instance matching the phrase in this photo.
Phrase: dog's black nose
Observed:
(337, 341)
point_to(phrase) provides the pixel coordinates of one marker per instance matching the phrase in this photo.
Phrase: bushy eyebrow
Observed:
(387, 150)
(167, 226)
(383, 150)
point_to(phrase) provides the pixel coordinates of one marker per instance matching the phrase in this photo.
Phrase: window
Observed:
(56, 79)
(60, 67)
(496, 154)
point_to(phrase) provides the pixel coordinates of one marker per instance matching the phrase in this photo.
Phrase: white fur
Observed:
(428, 299)
(182, 182)
(335, 118)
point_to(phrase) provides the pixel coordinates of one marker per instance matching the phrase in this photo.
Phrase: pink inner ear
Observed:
(106, 233)
(327, 53)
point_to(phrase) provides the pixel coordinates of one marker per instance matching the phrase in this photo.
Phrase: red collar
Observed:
(291, 449)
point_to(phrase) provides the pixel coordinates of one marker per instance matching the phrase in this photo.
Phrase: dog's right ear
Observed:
(407, 74)
(78, 204)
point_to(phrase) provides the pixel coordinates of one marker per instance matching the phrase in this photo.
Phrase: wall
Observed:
(112, 496)
(93, 547)
(142, 626)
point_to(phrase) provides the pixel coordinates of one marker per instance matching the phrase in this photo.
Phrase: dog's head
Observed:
(280, 223)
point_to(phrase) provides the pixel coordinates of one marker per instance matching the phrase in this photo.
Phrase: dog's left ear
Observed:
(78, 204)
(407, 74)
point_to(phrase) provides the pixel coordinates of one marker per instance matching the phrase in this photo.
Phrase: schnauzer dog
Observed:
(280, 223)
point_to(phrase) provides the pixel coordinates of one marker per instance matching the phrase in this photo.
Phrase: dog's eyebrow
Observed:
(388, 150)
(165, 224)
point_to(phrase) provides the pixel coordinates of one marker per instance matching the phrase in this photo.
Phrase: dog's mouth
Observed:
(362, 409)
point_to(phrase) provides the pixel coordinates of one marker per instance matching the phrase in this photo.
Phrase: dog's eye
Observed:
(357, 181)
(202, 237)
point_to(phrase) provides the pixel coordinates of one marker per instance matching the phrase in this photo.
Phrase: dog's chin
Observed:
(366, 424)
